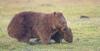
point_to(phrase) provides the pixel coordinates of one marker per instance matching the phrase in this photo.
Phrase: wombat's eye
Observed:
(64, 29)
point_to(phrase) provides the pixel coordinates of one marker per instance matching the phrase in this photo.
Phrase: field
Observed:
(86, 31)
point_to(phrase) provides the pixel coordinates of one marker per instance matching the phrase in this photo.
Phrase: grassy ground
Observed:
(85, 31)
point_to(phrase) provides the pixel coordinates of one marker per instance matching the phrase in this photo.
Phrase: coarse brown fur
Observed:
(26, 25)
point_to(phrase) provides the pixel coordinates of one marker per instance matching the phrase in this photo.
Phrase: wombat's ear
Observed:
(55, 14)
(58, 14)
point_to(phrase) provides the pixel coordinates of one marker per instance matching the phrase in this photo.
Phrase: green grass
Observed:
(85, 31)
